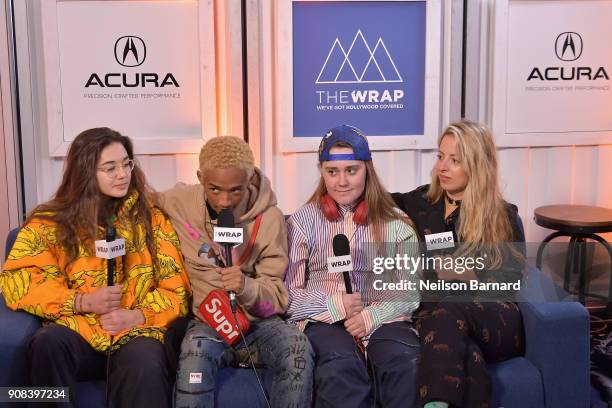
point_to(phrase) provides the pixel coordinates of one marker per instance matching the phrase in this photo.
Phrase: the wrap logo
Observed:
(356, 65)
(359, 64)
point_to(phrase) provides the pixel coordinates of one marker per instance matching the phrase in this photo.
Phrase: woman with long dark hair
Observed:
(53, 272)
(366, 350)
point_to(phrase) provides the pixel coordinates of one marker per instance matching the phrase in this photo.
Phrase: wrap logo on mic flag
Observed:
(338, 264)
(342, 260)
(110, 250)
(217, 312)
(228, 235)
(440, 240)
(225, 232)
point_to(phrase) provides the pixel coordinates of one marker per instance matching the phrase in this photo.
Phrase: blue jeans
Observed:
(344, 379)
(275, 344)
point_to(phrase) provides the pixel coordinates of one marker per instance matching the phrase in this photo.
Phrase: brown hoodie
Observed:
(264, 292)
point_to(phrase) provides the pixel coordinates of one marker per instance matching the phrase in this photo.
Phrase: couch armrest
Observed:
(557, 343)
(17, 328)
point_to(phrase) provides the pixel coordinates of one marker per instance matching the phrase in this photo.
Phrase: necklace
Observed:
(449, 200)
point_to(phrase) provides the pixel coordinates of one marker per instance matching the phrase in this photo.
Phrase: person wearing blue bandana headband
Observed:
(366, 349)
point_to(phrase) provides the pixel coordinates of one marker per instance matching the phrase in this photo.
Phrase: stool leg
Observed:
(609, 249)
(581, 269)
(569, 262)
(543, 245)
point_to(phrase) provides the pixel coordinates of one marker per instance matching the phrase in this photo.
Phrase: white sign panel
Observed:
(134, 66)
(552, 81)
(130, 66)
(559, 67)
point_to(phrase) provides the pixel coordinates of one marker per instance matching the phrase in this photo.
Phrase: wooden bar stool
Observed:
(579, 222)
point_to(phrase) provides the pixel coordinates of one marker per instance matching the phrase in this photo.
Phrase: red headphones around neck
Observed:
(330, 210)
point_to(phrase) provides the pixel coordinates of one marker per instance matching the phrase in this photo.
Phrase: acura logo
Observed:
(568, 46)
(130, 51)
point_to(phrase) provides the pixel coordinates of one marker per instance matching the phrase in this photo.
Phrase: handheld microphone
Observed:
(214, 308)
(341, 261)
(226, 234)
(110, 266)
(110, 248)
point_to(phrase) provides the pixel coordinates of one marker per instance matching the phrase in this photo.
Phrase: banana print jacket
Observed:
(37, 279)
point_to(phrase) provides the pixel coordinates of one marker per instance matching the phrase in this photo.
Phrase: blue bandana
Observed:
(349, 135)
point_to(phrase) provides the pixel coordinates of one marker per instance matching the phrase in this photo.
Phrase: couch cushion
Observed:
(90, 394)
(17, 328)
(516, 384)
(236, 387)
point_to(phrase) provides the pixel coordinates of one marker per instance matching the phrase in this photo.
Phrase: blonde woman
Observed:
(460, 334)
(350, 200)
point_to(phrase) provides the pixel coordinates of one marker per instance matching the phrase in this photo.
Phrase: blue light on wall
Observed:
(361, 63)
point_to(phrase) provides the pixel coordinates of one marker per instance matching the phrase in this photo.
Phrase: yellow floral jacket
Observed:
(37, 279)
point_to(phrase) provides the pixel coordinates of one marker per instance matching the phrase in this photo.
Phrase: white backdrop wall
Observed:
(530, 176)
(9, 186)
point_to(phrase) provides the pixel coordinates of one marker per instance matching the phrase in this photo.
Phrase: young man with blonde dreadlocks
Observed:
(229, 180)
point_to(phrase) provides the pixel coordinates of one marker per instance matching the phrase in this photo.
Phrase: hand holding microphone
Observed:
(232, 278)
(448, 272)
(342, 262)
(227, 234)
(102, 300)
(352, 304)
(107, 298)
(109, 249)
(219, 309)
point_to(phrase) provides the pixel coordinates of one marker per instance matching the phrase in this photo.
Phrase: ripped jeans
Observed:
(274, 344)
(344, 379)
